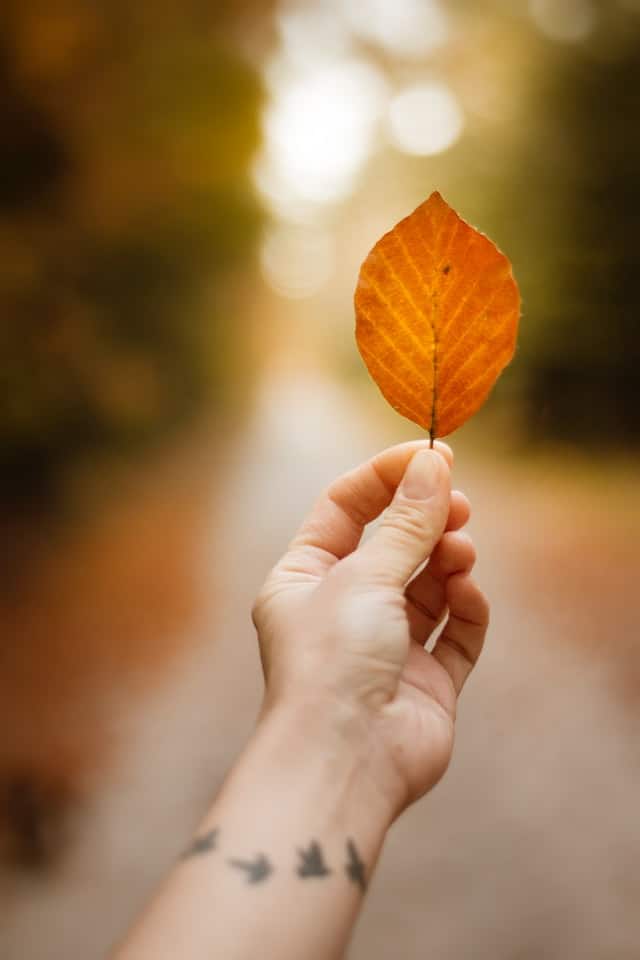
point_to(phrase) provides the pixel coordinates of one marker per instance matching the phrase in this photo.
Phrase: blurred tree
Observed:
(125, 136)
(583, 367)
(576, 243)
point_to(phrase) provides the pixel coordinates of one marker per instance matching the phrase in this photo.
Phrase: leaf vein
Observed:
(391, 373)
(400, 320)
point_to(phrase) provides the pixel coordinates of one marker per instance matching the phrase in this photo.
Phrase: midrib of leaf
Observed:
(434, 395)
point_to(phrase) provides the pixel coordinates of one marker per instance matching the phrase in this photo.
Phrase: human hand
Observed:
(342, 624)
(357, 721)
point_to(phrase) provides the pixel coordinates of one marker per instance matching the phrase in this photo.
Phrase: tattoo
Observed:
(203, 844)
(312, 862)
(256, 870)
(355, 867)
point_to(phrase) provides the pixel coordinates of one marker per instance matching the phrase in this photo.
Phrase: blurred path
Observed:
(530, 846)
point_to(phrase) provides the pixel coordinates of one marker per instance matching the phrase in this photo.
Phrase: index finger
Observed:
(337, 521)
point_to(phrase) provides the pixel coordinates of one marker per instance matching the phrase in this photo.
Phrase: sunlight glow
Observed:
(297, 262)
(312, 36)
(319, 130)
(425, 119)
(404, 28)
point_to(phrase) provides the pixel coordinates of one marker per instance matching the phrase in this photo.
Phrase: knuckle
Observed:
(407, 519)
(458, 540)
(484, 609)
(469, 549)
(481, 606)
(258, 607)
(256, 611)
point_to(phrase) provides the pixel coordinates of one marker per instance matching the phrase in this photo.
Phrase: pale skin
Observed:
(357, 722)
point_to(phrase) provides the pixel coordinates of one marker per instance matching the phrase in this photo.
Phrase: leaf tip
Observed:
(435, 197)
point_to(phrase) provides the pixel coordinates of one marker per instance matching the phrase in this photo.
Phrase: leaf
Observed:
(437, 313)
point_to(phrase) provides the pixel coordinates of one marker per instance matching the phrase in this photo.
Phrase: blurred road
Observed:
(528, 849)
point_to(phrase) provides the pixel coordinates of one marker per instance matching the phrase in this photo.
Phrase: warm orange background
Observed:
(186, 197)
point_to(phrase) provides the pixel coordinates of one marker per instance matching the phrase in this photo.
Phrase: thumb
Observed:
(411, 526)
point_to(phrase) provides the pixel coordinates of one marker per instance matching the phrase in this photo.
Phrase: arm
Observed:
(357, 721)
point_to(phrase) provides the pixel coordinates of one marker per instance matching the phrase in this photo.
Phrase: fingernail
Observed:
(421, 476)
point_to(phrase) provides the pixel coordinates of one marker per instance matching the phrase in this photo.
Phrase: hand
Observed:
(342, 625)
(357, 721)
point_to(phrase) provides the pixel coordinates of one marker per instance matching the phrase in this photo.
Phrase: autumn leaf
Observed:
(437, 313)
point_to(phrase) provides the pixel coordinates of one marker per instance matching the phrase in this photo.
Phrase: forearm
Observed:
(279, 867)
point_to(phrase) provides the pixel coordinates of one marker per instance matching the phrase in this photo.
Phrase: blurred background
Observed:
(187, 191)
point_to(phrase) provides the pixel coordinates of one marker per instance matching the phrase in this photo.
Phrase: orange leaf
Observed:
(437, 313)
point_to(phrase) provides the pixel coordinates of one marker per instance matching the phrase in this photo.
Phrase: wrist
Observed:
(332, 748)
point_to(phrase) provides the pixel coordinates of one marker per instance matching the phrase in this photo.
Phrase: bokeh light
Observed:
(310, 36)
(425, 119)
(405, 28)
(319, 130)
(570, 21)
(297, 261)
